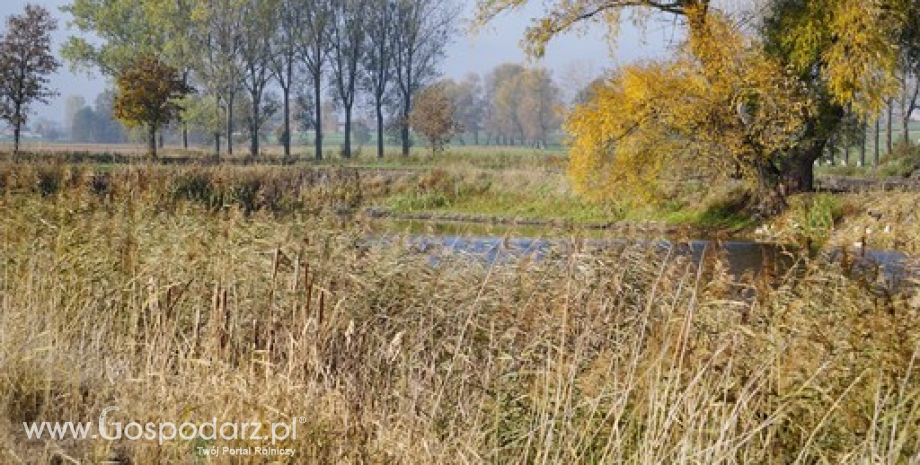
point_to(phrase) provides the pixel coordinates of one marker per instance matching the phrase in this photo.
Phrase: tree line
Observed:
(244, 60)
(235, 65)
(510, 105)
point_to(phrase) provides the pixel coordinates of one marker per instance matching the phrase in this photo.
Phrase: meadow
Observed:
(259, 293)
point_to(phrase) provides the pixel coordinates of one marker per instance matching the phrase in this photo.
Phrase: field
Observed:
(238, 293)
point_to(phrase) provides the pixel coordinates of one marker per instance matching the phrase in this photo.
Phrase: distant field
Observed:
(331, 146)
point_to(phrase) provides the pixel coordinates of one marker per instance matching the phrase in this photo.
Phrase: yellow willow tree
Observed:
(759, 104)
(720, 108)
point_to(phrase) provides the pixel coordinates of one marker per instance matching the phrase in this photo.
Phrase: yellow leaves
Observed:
(861, 59)
(849, 46)
(721, 108)
(620, 139)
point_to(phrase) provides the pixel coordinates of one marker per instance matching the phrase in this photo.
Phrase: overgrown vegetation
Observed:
(857, 221)
(175, 310)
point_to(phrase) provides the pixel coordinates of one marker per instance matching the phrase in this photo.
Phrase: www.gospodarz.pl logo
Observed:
(163, 432)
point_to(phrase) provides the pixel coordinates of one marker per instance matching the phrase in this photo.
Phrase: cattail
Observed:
(322, 304)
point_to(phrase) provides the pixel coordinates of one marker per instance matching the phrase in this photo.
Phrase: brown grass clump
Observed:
(623, 355)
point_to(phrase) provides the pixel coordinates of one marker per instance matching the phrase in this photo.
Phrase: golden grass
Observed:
(856, 221)
(181, 312)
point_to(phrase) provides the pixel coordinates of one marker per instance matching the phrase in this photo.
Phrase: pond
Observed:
(502, 244)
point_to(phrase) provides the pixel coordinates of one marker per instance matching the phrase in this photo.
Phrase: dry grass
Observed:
(865, 220)
(182, 312)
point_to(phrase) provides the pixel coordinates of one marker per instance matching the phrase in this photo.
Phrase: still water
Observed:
(740, 256)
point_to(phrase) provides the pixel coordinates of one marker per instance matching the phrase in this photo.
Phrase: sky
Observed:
(570, 58)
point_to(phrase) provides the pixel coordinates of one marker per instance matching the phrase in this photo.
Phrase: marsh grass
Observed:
(178, 311)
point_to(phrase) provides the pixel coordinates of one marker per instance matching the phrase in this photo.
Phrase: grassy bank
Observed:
(856, 221)
(176, 309)
(483, 183)
(507, 193)
(483, 187)
(515, 193)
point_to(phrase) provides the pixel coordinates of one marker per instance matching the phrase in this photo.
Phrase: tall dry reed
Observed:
(623, 355)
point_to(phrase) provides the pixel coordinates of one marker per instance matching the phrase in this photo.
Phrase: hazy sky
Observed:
(495, 44)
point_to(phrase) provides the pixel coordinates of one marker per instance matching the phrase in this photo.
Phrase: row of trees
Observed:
(512, 105)
(233, 51)
(755, 91)
(96, 124)
(864, 142)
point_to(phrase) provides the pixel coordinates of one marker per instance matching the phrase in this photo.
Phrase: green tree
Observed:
(85, 126)
(25, 63)
(256, 51)
(217, 26)
(149, 92)
(284, 61)
(203, 113)
(122, 30)
(110, 131)
(126, 29)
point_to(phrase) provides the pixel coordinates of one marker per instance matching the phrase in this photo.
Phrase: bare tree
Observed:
(378, 60)
(889, 125)
(25, 63)
(424, 30)
(348, 40)
(314, 46)
(863, 141)
(878, 140)
(909, 42)
(471, 107)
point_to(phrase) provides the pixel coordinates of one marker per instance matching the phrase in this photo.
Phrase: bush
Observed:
(903, 161)
(815, 216)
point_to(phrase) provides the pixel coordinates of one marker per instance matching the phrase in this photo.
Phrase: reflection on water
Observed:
(495, 244)
(740, 257)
